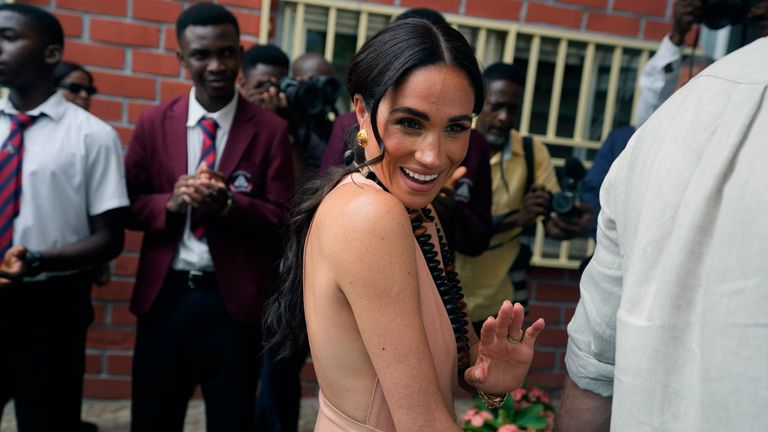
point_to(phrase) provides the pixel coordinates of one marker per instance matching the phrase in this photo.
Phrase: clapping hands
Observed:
(205, 190)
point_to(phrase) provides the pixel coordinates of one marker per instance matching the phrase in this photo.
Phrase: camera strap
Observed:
(529, 169)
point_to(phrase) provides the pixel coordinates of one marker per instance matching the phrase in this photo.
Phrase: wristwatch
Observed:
(33, 263)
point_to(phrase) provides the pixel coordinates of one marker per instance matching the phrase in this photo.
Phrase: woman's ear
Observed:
(360, 111)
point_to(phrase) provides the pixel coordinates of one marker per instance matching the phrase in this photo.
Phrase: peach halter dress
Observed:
(442, 344)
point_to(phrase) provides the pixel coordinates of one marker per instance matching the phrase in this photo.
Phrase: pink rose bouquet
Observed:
(527, 409)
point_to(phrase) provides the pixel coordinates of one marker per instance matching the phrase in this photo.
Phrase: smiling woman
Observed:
(371, 285)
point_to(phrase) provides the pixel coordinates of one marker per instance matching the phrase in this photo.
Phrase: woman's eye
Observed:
(409, 124)
(457, 128)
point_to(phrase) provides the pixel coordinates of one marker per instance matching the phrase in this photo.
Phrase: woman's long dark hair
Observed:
(383, 63)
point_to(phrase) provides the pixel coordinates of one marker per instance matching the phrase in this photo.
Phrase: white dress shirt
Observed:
(72, 169)
(673, 317)
(658, 79)
(193, 253)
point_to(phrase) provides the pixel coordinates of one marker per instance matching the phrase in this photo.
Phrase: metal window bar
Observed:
(566, 254)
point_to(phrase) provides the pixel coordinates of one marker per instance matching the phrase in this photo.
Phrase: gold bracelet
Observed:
(490, 401)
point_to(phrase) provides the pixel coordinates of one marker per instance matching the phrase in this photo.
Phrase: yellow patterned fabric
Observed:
(484, 277)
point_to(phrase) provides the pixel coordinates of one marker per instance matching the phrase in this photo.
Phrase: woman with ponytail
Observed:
(368, 280)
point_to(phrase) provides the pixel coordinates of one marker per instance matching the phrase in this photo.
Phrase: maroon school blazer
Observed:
(244, 245)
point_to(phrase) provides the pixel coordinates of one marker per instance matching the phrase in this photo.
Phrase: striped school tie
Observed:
(11, 156)
(208, 127)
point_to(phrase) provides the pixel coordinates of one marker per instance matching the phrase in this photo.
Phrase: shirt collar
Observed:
(53, 107)
(513, 147)
(223, 117)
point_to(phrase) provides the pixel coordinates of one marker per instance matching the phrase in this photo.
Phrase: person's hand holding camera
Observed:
(264, 92)
(687, 13)
(537, 202)
(563, 227)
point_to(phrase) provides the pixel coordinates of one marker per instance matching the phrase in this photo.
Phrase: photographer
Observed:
(305, 101)
(523, 181)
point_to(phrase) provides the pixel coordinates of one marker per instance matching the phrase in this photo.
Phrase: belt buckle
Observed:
(195, 279)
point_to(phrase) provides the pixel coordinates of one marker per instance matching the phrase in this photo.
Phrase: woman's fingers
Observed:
(488, 331)
(504, 320)
(515, 331)
(533, 332)
(476, 374)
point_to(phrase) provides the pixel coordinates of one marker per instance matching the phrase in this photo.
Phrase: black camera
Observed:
(314, 96)
(564, 202)
(717, 14)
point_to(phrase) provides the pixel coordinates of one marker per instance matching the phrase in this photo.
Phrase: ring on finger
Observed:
(515, 339)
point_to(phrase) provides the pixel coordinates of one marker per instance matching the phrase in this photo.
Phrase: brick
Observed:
(118, 364)
(115, 84)
(155, 63)
(169, 39)
(95, 55)
(121, 315)
(170, 89)
(589, 3)
(106, 109)
(132, 238)
(156, 10)
(615, 24)
(98, 313)
(656, 30)
(561, 359)
(72, 25)
(543, 360)
(102, 338)
(450, 6)
(568, 315)
(125, 134)
(308, 372)
(106, 388)
(546, 273)
(557, 293)
(255, 4)
(126, 265)
(93, 363)
(547, 380)
(644, 7)
(309, 391)
(558, 16)
(107, 7)
(115, 290)
(553, 337)
(499, 9)
(551, 314)
(125, 33)
(249, 22)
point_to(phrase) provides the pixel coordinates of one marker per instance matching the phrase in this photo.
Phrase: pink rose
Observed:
(518, 394)
(508, 428)
(476, 417)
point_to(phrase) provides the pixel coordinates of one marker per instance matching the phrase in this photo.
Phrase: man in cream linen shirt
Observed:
(671, 332)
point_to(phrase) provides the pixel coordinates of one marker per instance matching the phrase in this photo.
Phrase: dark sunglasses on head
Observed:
(77, 88)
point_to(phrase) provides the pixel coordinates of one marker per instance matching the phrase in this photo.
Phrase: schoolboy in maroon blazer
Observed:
(210, 178)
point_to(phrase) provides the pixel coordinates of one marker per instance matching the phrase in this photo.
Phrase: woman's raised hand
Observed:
(505, 351)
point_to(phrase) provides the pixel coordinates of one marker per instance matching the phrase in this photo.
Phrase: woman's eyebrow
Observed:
(424, 116)
(411, 111)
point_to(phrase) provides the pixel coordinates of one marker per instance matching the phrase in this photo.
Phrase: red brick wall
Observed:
(129, 46)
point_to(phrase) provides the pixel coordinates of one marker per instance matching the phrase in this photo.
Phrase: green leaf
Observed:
(531, 417)
(469, 428)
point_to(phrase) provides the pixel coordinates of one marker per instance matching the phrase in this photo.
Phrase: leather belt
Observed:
(197, 280)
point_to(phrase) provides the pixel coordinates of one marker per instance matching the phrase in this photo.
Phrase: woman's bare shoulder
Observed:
(357, 216)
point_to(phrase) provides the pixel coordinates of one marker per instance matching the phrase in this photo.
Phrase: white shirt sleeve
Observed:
(590, 356)
(105, 171)
(658, 79)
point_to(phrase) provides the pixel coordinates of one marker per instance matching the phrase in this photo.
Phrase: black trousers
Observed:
(43, 327)
(188, 338)
(279, 398)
